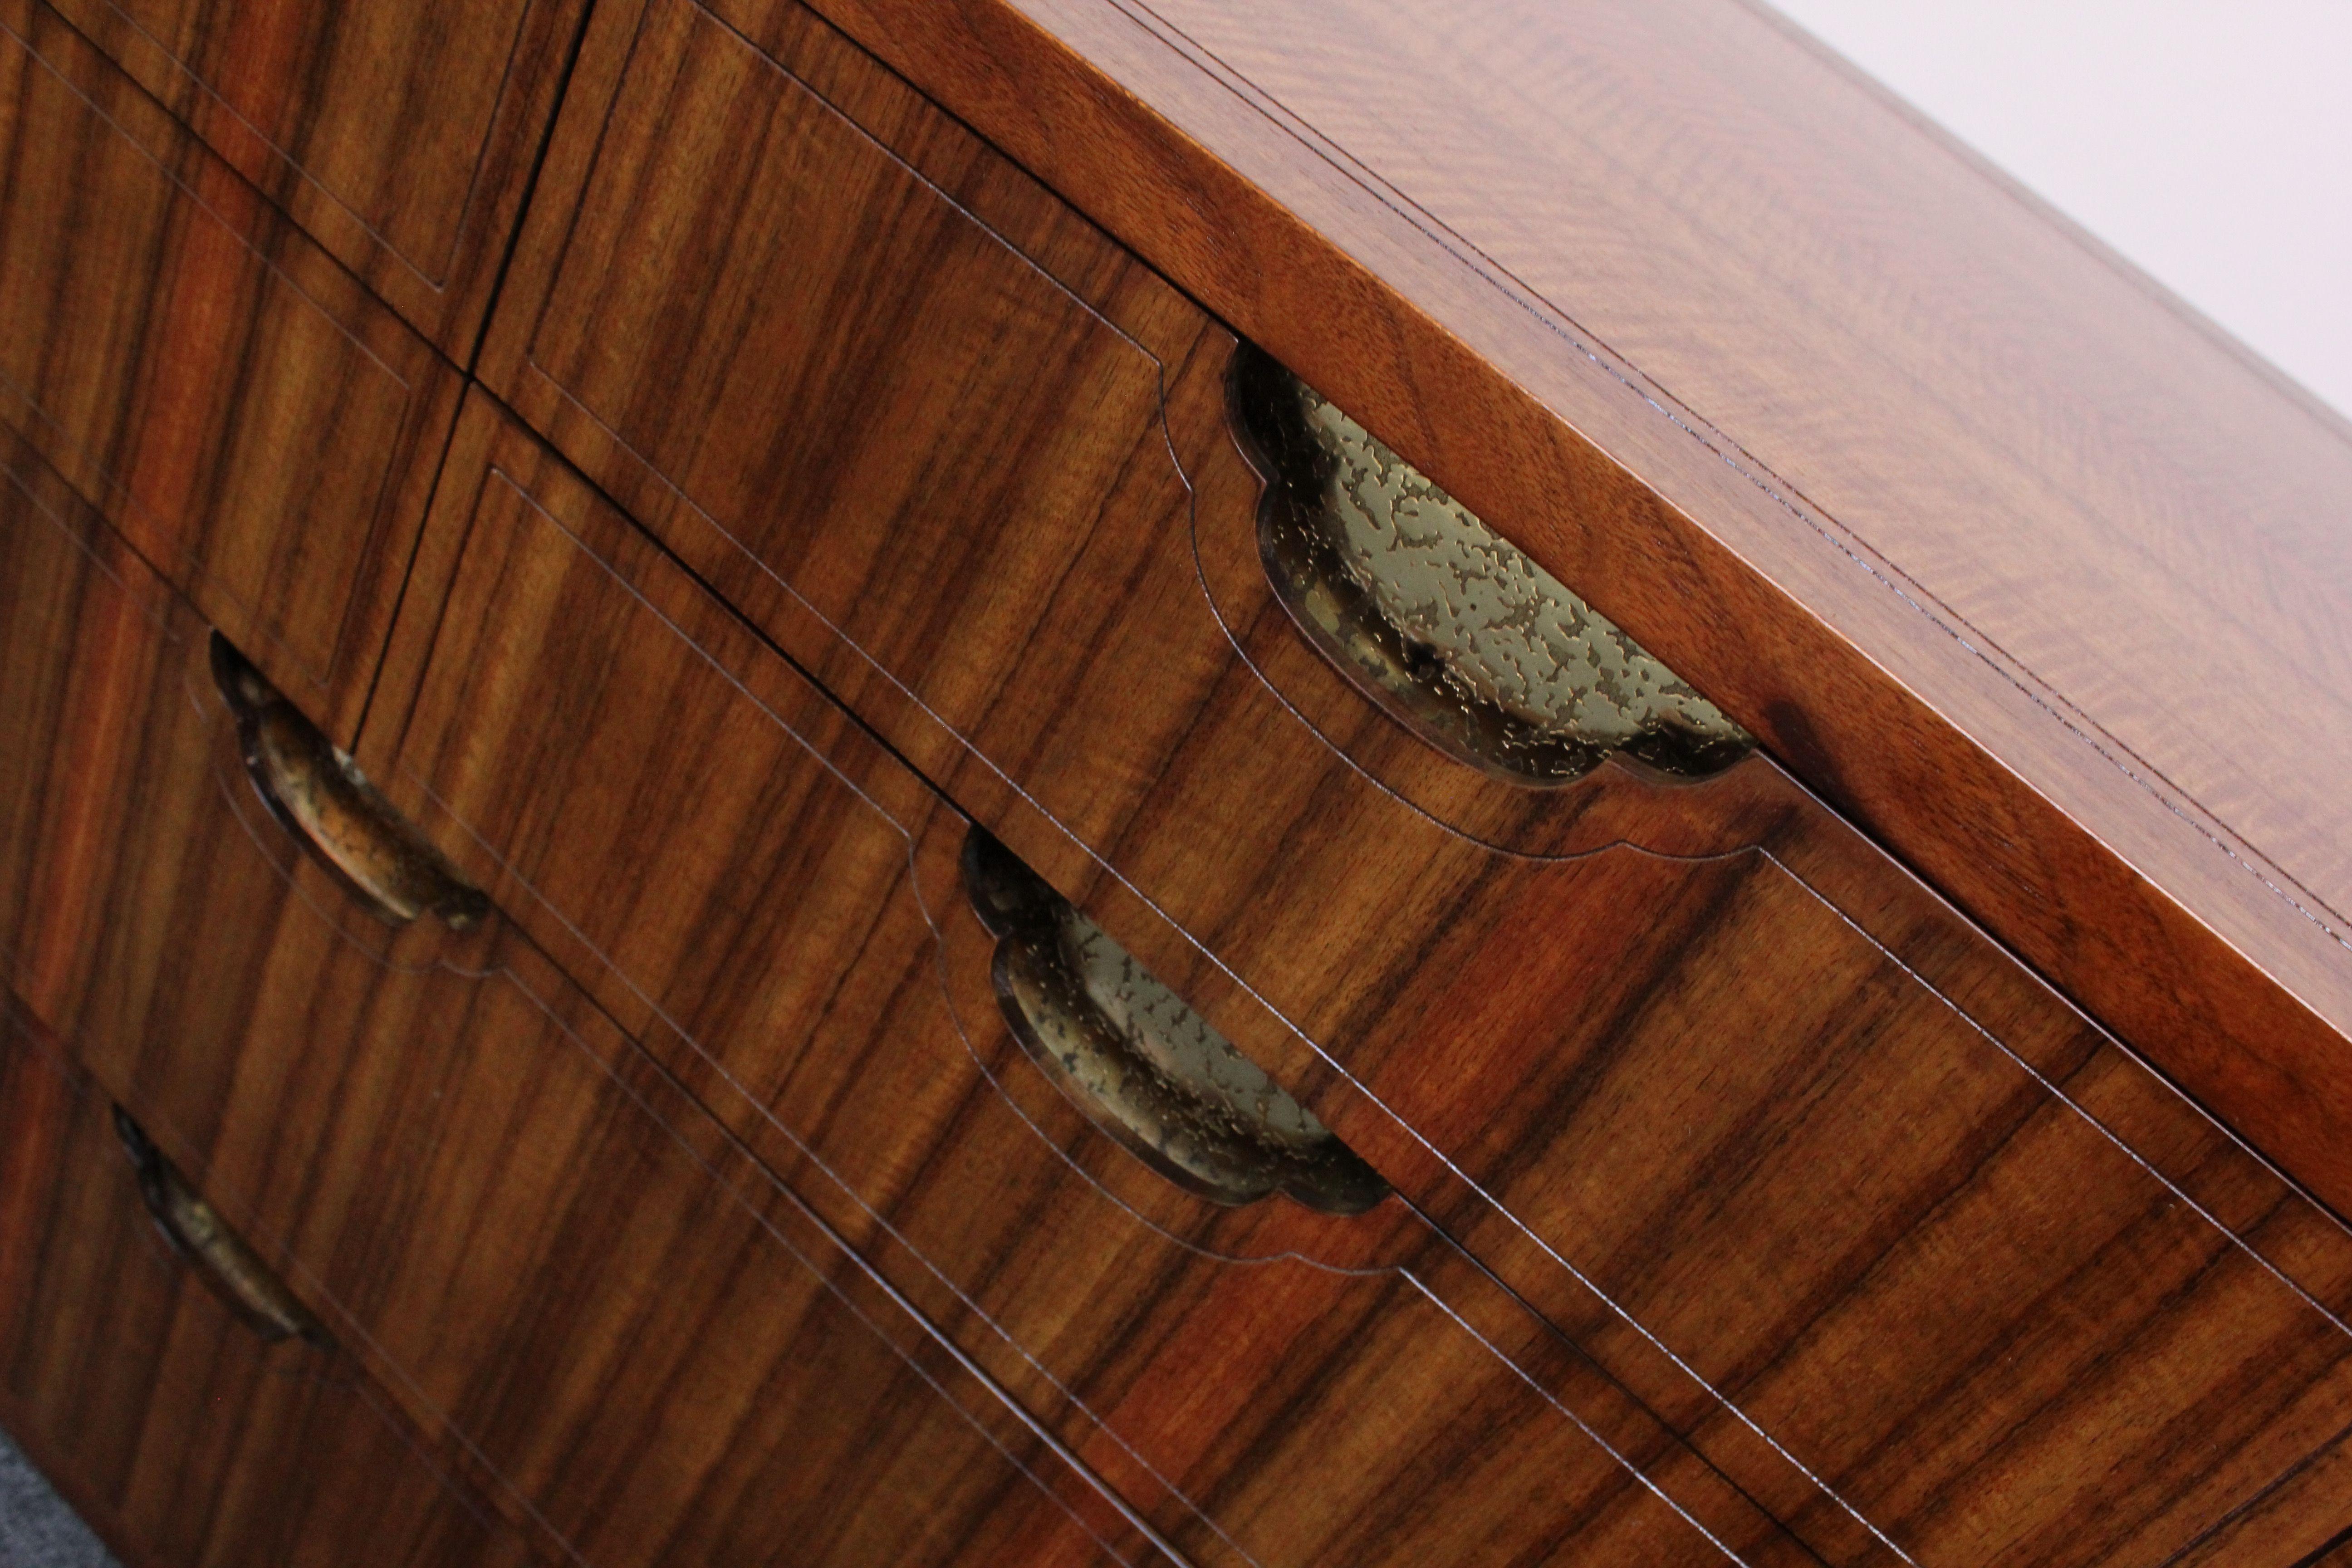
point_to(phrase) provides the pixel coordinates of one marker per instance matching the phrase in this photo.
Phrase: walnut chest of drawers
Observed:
(1049, 781)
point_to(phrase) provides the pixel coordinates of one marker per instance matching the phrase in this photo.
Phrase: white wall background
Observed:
(2209, 141)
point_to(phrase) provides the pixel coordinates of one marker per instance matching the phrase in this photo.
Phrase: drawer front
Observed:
(256, 426)
(534, 1239)
(856, 368)
(1909, 1247)
(400, 136)
(94, 649)
(182, 1436)
(1774, 1133)
(936, 436)
(635, 778)
(1770, 1127)
(1770, 1131)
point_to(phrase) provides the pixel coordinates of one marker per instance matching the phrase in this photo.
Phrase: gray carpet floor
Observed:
(37, 1530)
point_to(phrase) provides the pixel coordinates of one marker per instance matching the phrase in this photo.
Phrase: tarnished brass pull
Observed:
(1146, 1068)
(227, 1266)
(1441, 620)
(321, 796)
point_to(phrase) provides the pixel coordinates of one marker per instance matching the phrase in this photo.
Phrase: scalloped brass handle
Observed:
(227, 1266)
(325, 801)
(1144, 1067)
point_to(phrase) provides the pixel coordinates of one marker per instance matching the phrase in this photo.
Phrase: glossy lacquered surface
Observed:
(176, 1433)
(402, 137)
(91, 685)
(548, 1258)
(541, 1197)
(781, 903)
(1770, 1131)
(254, 422)
(2001, 551)
(698, 1181)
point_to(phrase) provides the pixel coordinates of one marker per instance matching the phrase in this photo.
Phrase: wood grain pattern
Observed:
(256, 426)
(1829, 1212)
(93, 646)
(627, 770)
(1770, 1131)
(920, 455)
(402, 137)
(181, 1437)
(1647, 1043)
(975, 505)
(2001, 551)
(2270, 1528)
(557, 1265)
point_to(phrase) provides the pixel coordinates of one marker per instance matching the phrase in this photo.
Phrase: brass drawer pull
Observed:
(321, 796)
(228, 1266)
(1146, 1068)
(1441, 620)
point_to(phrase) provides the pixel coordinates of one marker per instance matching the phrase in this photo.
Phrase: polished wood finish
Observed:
(555, 1264)
(1742, 1069)
(1769, 1141)
(626, 769)
(178, 1435)
(93, 694)
(869, 389)
(403, 137)
(256, 426)
(2274, 1528)
(1750, 1202)
(2003, 552)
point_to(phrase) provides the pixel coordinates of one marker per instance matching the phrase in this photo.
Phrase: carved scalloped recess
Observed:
(318, 792)
(1446, 623)
(1141, 1064)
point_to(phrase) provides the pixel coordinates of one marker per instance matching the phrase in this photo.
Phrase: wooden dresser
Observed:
(1031, 782)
